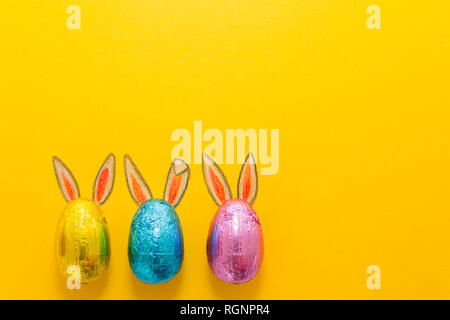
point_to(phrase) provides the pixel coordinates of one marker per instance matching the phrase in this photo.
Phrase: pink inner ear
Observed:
(137, 190)
(174, 188)
(69, 187)
(102, 184)
(217, 185)
(247, 187)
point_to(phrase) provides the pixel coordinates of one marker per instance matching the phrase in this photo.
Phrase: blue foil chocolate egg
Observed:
(155, 245)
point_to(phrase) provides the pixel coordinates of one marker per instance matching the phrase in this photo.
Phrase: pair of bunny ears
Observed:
(102, 186)
(218, 186)
(176, 184)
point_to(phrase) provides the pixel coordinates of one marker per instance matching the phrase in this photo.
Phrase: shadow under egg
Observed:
(243, 291)
(161, 291)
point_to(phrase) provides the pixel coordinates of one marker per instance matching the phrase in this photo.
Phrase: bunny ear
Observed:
(66, 181)
(248, 180)
(215, 181)
(177, 181)
(139, 190)
(105, 180)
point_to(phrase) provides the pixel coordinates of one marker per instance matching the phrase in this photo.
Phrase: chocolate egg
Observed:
(235, 242)
(82, 235)
(83, 240)
(155, 245)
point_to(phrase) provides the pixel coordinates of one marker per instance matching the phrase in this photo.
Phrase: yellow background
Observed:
(364, 137)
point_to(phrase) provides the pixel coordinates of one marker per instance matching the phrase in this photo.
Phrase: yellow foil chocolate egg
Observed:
(83, 239)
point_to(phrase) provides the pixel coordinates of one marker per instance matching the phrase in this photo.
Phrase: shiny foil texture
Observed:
(235, 242)
(155, 246)
(83, 240)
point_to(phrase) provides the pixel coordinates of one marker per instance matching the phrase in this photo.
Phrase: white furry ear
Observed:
(137, 186)
(215, 181)
(67, 183)
(177, 181)
(105, 180)
(248, 180)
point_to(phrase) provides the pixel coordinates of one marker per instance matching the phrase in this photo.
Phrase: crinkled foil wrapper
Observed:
(235, 242)
(155, 246)
(83, 240)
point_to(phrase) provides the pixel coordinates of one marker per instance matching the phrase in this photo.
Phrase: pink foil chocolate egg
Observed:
(235, 240)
